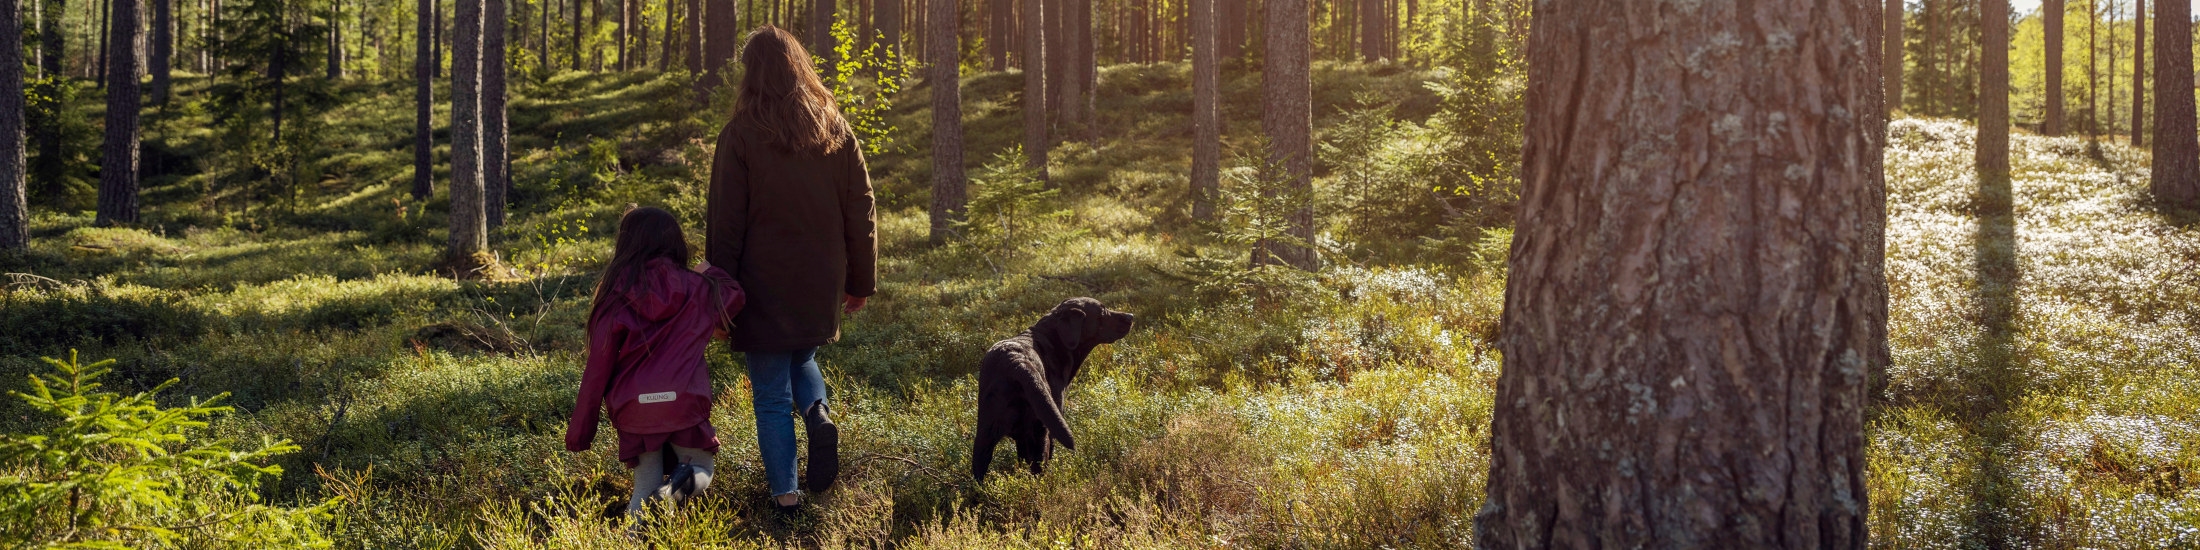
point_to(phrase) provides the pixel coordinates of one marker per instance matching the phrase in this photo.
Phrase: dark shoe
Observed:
(824, 448)
(683, 484)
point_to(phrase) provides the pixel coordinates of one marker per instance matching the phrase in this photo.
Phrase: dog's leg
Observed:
(1031, 445)
(981, 454)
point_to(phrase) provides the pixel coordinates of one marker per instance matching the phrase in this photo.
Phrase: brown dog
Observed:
(1021, 379)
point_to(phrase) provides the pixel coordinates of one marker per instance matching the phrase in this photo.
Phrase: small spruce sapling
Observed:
(114, 471)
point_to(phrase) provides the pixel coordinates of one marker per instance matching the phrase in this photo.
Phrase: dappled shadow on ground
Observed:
(1999, 378)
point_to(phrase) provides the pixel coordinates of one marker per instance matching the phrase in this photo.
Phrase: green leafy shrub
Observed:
(119, 471)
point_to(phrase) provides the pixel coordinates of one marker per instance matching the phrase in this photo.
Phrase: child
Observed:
(651, 319)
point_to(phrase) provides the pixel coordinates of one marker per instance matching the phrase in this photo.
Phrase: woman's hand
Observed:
(852, 303)
(702, 266)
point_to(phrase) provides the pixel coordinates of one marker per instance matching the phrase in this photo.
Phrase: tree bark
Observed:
(1057, 60)
(2176, 171)
(164, 48)
(580, 8)
(435, 58)
(2139, 73)
(1993, 95)
(50, 36)
(1206, 118)
(996, 38)
(1371, 30)
(423, 104)
(106, 12)
(1035, 87)
(469, 224)
(1893, 52)
(889, 25)
(118, 165)
(672, 35)
(1287, 90)
(1695, 296)
(718, 47)
(694, 43)
(2052, 23)
(335, 39)
(14, 209)
(943, 47)
(820, 41)
(496, 164)
(2092, 69)
(622, 36)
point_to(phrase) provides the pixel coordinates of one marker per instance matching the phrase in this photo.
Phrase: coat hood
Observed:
(663, 290)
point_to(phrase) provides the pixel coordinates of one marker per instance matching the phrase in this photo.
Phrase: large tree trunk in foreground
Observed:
(118, 163)
(14, 211)
(423, 104)
(1695, 299)
(2052, 21)
(943, 53)
(1287, 91)
(1206, 118)
(496, 167)
(469, 224)
(2176, 147)
(1035, 87)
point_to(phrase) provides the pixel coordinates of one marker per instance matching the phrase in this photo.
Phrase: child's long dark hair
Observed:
(645, 234)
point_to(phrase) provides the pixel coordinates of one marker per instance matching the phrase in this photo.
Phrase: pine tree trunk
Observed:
(435, 58)
(1929, 70)
(943, 50)
(1088, 63)
(672, 35)
(694, 42)
(106, 12)
(2052, 23)
(1993, 97)
(118, 165)
(2139, 74)
(14, 210)
(1893, 52)
(1695, 300)
(51, 36)
(335, 40)
(2176, 171)
(1206, 118)
(820, 41)
(1287, 89)
(889, 25)
(719, 44)
(621, 44)
(423, 105)
(996, 38)
(1057, 64)
(164, 48)
(496, 164)
(1371, 30)
(580, 8)
(1070, 73)
(1233, 20)
(469, 224)
(1035, 87)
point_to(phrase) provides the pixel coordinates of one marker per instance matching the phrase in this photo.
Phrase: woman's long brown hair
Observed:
(782, 97)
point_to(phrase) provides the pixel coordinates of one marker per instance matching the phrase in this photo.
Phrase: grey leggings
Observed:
(650, 472)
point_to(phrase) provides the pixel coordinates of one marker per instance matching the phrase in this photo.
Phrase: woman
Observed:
(790, 216)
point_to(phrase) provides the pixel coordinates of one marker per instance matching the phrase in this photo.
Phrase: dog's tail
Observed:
(1042, 402)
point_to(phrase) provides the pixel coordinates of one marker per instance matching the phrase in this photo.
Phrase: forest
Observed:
(1406, 273)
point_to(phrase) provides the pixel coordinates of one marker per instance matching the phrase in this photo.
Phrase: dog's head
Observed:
(1082, 322)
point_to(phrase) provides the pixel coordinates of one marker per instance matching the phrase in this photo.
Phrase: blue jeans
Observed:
(778, 380)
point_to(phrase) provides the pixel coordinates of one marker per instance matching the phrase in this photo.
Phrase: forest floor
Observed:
(1352, 414)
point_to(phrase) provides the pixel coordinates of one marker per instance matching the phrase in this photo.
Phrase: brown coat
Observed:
(797, 230)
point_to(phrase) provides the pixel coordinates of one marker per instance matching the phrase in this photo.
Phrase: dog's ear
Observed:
(1069, 325)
